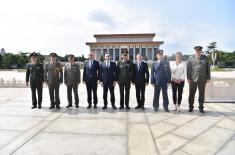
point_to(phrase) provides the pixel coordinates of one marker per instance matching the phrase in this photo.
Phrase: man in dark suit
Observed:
(125, 78)
(108, 80)
(91, 74)
(141, 79)
(34, 74)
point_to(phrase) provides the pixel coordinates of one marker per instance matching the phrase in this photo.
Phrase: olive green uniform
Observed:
(198, 71)
(124, 77)
(72, 79)
(53, 74)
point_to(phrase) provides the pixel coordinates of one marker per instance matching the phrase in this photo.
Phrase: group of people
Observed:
(123, 73)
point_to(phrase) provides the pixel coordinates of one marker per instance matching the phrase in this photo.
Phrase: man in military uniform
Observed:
(125, 77)
(108, 74)
(53, 77)
(91, 75)
(34, 73)
(72, 80)
(198, 74)
(160, 78)
(141, 79)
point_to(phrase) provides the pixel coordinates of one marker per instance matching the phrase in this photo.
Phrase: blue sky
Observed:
(64, 26)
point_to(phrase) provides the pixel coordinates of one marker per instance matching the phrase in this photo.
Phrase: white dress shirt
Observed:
(90, 63)
(178, 71)
(107, 64)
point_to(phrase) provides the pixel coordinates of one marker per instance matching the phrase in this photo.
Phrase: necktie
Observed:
(90, 64)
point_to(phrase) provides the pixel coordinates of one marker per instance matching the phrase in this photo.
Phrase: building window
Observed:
(137, 51)
(149, 54)
(143, 53)
(98, 54)
(111, 54)
(116, 54)
(123, 49)
(155, 49)
(131, 54)
(104, 51)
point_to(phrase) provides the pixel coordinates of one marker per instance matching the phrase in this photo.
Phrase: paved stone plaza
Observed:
(112, 132)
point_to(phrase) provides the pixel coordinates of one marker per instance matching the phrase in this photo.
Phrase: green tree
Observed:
(101, 58)
(211, 46)
(1, 61)
(9, 59)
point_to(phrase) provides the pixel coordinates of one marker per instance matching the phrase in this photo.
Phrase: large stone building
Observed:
(115, 43)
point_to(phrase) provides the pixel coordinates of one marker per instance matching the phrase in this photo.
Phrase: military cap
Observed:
(71, 56)
(125, 52)
(159, 51)
(53, 55)
(198, 47)
(34, 54)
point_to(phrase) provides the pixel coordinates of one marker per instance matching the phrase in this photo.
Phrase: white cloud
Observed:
(64, 26)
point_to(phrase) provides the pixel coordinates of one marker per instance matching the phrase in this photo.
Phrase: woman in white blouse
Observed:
(178, 73)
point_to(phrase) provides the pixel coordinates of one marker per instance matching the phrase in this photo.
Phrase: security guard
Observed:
(53, 77)
(125, 77)
(72, 79)
(34, 73)
(160, 78)
(198, 74)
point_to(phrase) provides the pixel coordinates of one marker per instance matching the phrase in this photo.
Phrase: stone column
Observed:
(153, 55)
(120, 55)
(134, 50)
(114, 54)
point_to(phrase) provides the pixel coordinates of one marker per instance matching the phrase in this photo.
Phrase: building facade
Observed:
(114, 44)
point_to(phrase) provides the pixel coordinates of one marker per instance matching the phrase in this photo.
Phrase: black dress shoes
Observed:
(104, 107)
(190, 110)
(89, 106)
(201, 111)
(51, 107)
(68, 106)
(121, 107)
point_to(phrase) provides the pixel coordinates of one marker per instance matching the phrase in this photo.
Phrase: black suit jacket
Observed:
(141, 75)
(92, 73)
(34, 74)
(108, 75)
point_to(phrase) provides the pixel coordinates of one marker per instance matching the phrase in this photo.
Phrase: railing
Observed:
(12, 83)
(221, 90)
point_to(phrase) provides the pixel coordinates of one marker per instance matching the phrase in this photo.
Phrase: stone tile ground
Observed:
(112, 132)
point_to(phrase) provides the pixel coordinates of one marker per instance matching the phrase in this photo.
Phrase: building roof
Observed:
(125, 35)
(125, 43)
